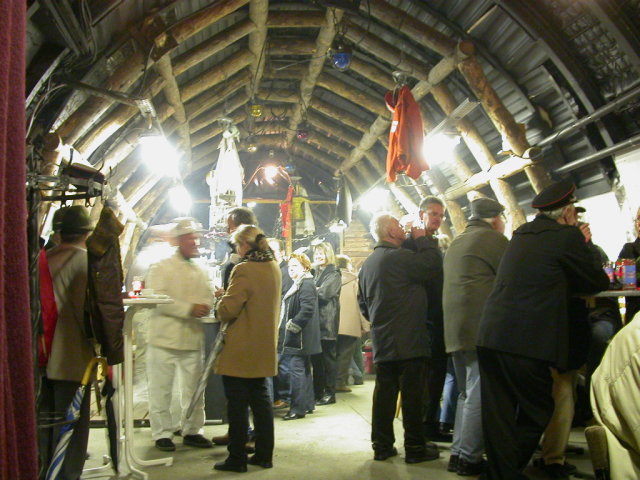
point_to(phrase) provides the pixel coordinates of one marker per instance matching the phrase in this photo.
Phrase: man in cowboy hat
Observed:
(525, 327)
(176, 338)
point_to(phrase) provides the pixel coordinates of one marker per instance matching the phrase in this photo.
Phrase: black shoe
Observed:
(470, 469)
(429, 453)
(555, 470)
(177, 433)
(253, 460)
(382, 455)
(452, 466)
(309, 412)
(230, 467)
(358, 381)
(292, 416)
(326, 400)
(166, 445)
(197, 441)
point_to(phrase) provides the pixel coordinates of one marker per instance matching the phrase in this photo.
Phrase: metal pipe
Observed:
(592, 117)
(630, 142)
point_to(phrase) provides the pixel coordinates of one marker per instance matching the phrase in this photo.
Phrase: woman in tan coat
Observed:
(251, 306)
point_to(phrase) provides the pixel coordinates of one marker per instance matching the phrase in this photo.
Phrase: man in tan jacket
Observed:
(176, 338)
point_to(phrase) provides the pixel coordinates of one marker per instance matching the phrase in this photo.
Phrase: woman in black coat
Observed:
(298, 339)
(328, 282)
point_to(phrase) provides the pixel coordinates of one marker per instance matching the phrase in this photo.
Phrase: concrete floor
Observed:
(331, 444)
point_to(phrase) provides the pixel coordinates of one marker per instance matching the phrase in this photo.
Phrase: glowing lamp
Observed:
(256, 110)
(340, 55)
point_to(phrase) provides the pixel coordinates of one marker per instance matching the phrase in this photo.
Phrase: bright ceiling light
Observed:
(374, 200)
(252, 204)
(180, 199)
(270, 173)
(159, 154)
(440, 147)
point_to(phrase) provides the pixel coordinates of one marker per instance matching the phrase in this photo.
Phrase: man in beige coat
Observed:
(176, 338)
(614, 400)
(71, 349)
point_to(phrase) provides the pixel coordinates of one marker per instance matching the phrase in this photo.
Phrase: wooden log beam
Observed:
(132, 68)
(327, 160)
(327, 143)
(290, 19)
(308, 83)
(113, 121)
(514, 133)
(285, 71)
(292, 46)
(343, 116)
(332, 128)
(481, 152)
(385, 51)
(212, 131)
(216, 74)
(410, 26)
(372, 72)
(258, 13)
(172, 93)
(345, 90)
(279, 96)
(214, 108)
(436, 75)
(212, 45)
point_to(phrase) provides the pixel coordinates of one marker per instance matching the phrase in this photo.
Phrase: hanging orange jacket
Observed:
(405, 136)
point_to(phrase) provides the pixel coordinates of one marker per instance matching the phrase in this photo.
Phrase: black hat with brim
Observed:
(555, 196)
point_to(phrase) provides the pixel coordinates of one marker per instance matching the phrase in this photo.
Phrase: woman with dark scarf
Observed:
(251, 308)
(298, 339)
(328, 284)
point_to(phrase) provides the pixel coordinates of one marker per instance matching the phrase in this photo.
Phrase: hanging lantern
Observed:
(252, 148)
(302, 134)
(340, 55)
(256, 110)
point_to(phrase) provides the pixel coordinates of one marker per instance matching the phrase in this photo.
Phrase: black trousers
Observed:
(55, 397)
(241, 394)
(436, 375)
(346, 347)
(324, 369)
(408, 378)
(516, 408)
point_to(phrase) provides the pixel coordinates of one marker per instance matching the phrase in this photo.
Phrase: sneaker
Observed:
(197, 441)
(166, 445)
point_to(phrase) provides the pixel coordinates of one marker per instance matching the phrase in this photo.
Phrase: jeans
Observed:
(241, 394)
(468, 441)
(449, 395)
(299, 395)
(408, 378)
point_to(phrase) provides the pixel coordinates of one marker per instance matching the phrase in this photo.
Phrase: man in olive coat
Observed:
(470, 267)
(392, 297)
(525, 328)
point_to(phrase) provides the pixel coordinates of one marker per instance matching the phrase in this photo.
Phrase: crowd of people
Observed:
(505, 320)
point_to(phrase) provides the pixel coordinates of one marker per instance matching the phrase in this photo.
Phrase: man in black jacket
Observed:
(392, 297)
(525, 328)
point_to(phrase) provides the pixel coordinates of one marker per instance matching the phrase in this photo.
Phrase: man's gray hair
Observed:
(380, 224)
(555, 214)
(242, 216)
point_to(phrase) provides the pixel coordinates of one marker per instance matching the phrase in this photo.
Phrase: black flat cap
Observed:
(555, 196)
(485, 208)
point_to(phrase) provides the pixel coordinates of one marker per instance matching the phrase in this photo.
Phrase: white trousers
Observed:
(163, 366)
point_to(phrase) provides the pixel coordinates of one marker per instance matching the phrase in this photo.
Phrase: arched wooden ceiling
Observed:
(534, 66)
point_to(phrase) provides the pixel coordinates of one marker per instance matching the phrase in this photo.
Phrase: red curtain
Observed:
(18, 453)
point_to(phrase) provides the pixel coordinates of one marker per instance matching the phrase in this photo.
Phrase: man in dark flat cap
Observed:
(525, 327)
(470, 267)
